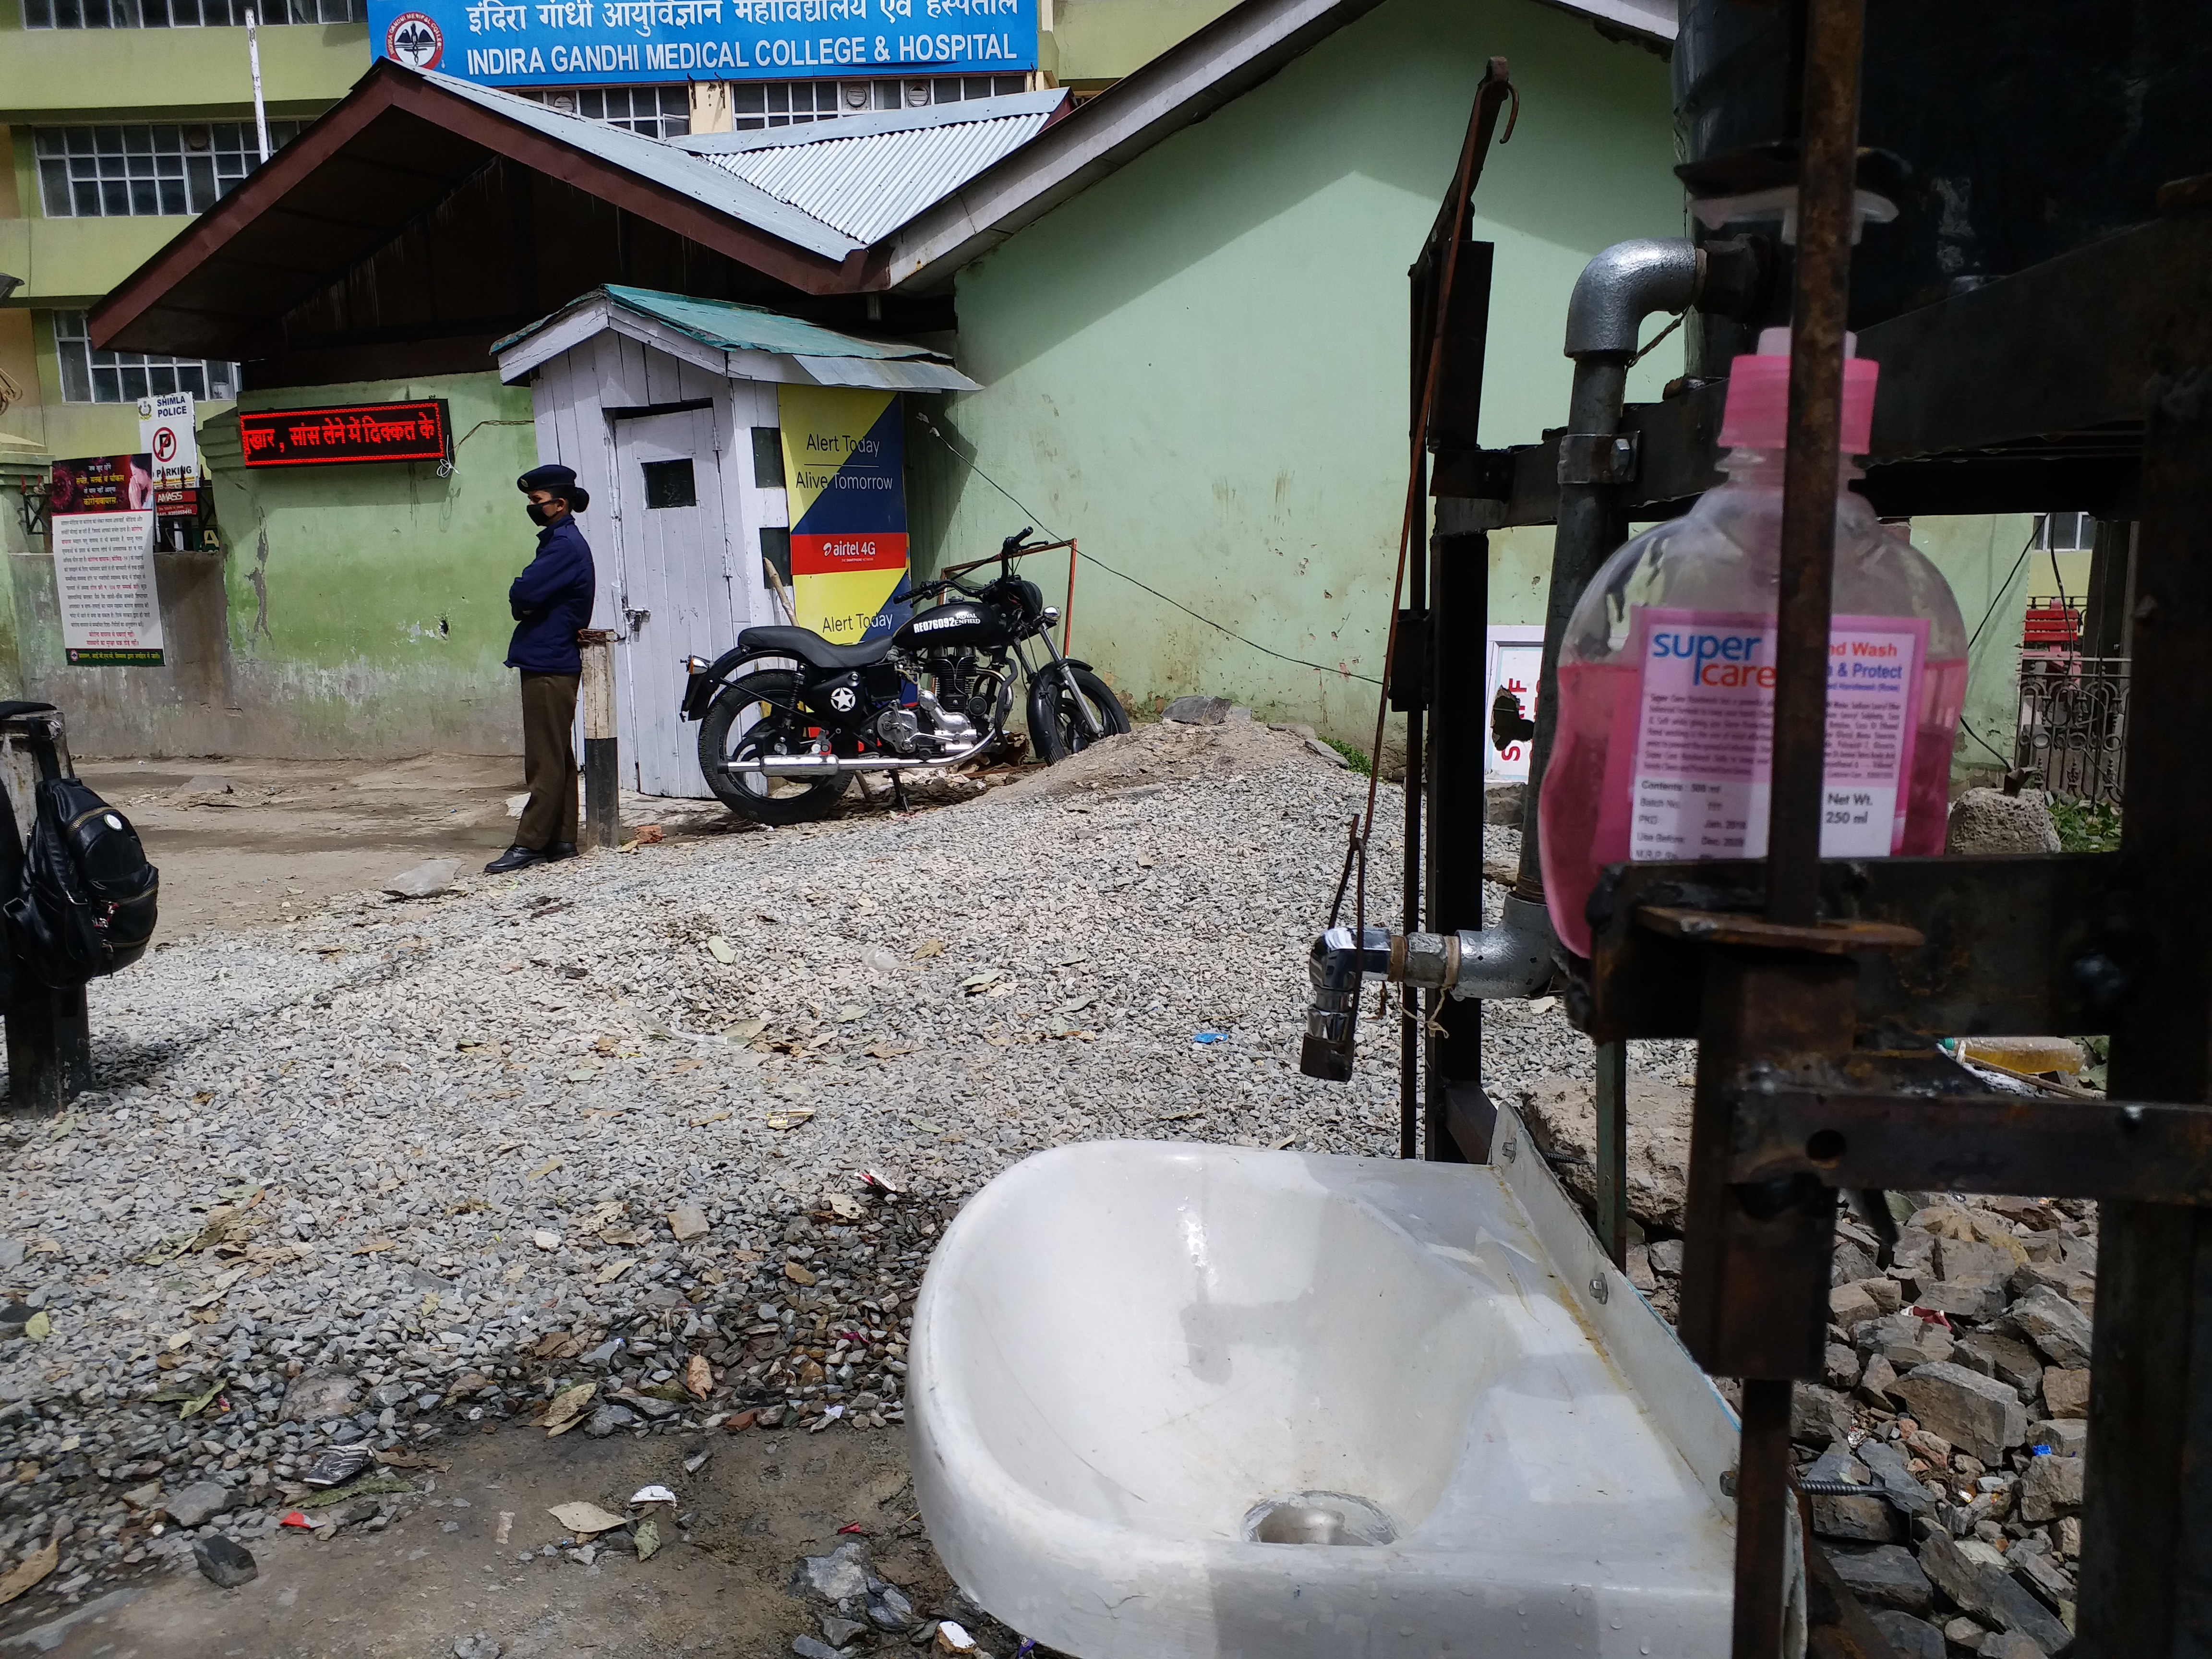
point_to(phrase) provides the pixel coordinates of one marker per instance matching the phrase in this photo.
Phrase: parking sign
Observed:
(165, 432)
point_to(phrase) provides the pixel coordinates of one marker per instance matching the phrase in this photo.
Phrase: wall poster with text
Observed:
(101, 533)
(844, 469)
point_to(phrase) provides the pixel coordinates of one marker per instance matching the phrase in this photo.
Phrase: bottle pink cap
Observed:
(1757, 416)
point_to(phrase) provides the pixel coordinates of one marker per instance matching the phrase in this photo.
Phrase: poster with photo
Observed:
(103, 484)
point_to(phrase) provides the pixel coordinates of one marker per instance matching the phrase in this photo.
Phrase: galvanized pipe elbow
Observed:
(1510, 961)
(1624, 285)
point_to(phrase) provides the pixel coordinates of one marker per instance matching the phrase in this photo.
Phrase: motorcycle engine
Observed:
(897, 728)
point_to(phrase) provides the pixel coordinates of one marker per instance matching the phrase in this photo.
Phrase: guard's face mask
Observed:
(539, 515)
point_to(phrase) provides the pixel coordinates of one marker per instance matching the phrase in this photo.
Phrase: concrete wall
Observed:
(1198, 366)
(357, 610)
(1093, 43)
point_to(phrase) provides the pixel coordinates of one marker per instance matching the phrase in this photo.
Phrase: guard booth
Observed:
(698, 427)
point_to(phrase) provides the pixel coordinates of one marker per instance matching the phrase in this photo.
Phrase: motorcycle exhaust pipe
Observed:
(821, 766)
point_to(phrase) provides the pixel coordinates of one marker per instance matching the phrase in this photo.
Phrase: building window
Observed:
(93, 172)
(2065, 532)
(768, 458)
(186, 13)
(666, 111)
(656, 111)
(759, 104)
(670, 483)
(89, 376)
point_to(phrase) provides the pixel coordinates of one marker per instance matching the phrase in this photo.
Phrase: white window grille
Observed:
(90, 376)
(656, 111)
(666, 111)
(755, 105)
(186, 13)
(119, 172)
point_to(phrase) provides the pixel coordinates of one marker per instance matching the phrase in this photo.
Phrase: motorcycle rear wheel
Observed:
(752, 716)
(1057, 728)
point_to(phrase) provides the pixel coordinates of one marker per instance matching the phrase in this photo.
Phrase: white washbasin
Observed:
(1121, 1348)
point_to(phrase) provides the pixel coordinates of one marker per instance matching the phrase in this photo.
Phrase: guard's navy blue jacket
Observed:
(550, 600)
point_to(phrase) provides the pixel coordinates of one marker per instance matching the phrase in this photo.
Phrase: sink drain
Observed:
(1317, 1517)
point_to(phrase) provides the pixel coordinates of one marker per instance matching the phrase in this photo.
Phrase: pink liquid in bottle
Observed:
(1665, 675)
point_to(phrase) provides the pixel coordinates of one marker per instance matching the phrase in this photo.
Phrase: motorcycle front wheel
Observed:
(754, 715)
(1056, 729)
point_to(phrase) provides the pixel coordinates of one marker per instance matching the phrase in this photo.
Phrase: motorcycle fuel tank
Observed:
(958, 623)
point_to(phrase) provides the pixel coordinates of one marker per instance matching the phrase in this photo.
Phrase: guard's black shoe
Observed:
(561, 849)
(515, 858)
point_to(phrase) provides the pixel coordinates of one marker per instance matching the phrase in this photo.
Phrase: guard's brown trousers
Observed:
(549, 760)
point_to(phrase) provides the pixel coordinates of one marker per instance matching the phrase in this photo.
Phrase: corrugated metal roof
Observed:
(720, 188)
(806, 352)
(865, 184)
(735, 327)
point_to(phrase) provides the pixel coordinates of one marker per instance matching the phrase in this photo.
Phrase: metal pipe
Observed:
(1509, 960)
(253, 64)
(815, 766)
(1624, 285)
(1615, 293)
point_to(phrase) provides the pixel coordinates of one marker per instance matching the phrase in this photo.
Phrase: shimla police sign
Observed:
(555, 43)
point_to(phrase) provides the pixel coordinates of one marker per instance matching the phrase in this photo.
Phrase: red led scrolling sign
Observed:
(418, 431)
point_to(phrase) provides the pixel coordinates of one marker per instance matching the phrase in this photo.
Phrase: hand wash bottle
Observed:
(1666, 681)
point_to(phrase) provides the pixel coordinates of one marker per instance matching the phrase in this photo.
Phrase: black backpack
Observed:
(86, 898)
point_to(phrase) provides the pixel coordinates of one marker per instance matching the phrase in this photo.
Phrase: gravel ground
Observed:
(441, 1151)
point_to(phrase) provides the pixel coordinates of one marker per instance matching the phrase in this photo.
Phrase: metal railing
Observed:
(2074, 724)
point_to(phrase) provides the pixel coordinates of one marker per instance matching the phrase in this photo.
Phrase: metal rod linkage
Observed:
(1827, 161)
(1826, 184)
(1612, 1102)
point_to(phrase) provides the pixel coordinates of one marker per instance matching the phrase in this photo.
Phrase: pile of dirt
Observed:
(1171, 752)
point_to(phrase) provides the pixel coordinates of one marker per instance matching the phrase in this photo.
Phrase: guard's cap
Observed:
(560, 480)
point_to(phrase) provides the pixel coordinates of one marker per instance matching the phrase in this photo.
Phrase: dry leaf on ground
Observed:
(585, 1519)
(35, 1567)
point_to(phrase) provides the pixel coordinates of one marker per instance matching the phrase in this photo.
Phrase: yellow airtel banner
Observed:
(845, 478)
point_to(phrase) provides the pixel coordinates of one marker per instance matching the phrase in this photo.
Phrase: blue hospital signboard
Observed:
(552, 43)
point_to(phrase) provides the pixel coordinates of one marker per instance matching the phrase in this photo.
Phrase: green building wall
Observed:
(1198, 366)
(354, 611)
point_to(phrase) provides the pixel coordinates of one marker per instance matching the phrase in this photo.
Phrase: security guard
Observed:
(551, 601)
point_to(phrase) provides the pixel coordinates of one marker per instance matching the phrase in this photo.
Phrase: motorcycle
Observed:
(787, 718)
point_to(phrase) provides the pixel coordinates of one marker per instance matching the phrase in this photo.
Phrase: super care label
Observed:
(1705, 729)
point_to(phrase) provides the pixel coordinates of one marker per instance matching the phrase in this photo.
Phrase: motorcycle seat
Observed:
(809, 646)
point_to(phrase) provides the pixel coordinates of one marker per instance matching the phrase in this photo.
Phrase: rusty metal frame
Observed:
(1818, 989)
(2068, 431)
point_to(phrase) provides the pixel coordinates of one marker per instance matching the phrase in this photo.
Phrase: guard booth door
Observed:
(678, 591)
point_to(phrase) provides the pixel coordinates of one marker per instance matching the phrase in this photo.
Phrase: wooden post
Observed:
(602, 768)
